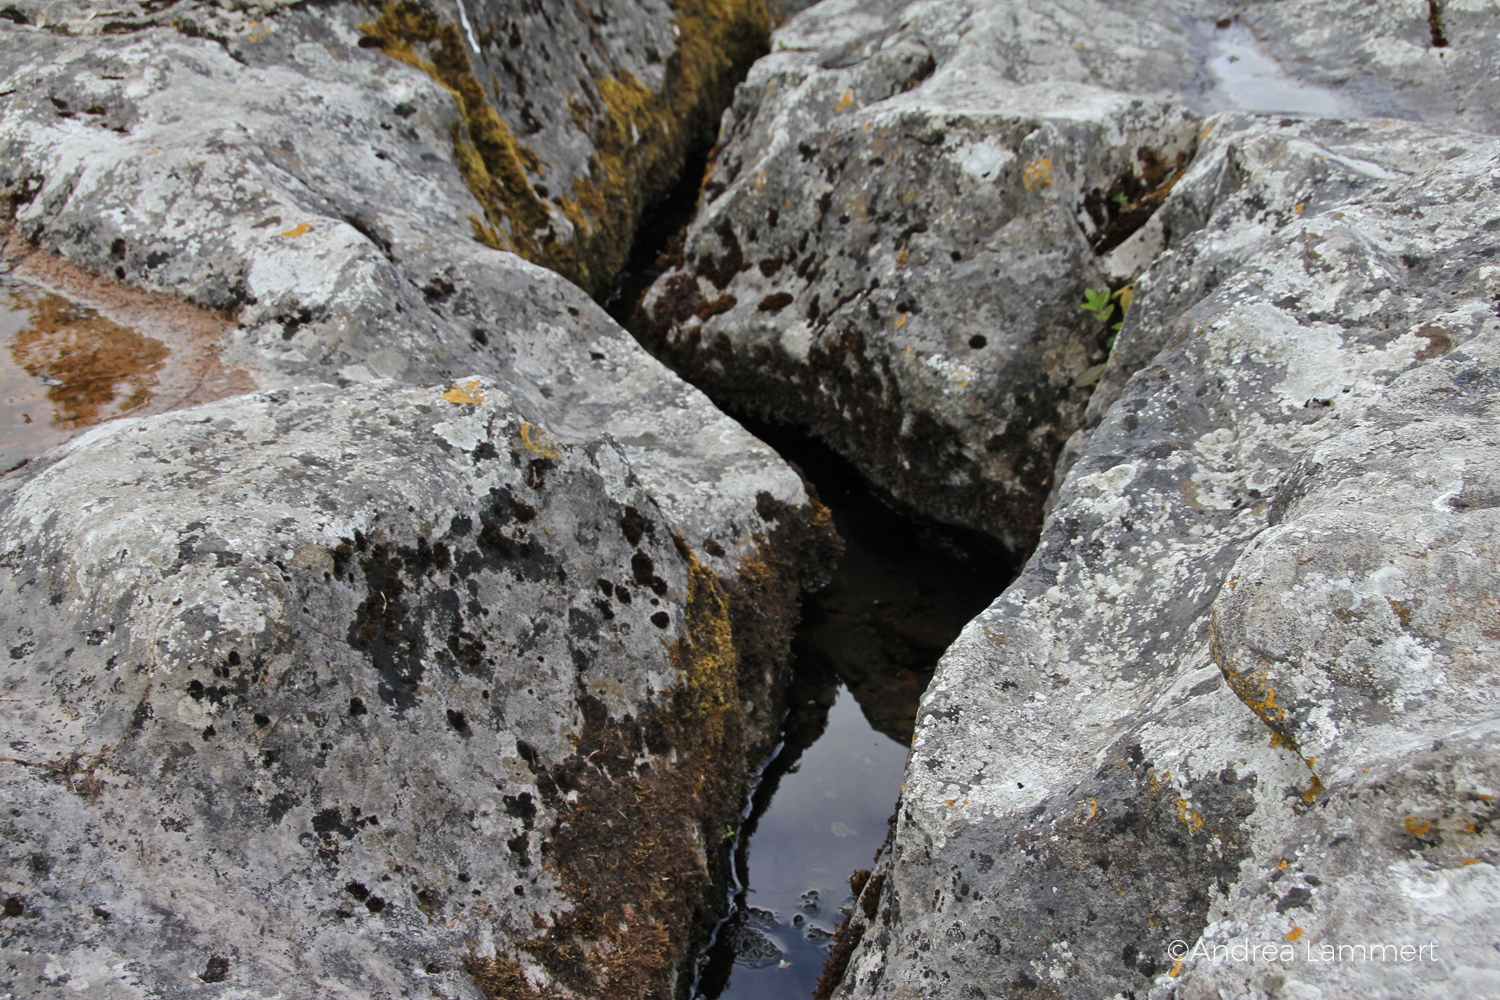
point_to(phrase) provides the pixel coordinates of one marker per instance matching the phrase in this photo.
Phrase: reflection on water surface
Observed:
(865, 650)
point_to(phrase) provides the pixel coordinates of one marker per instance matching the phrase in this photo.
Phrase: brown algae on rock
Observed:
(76, 350)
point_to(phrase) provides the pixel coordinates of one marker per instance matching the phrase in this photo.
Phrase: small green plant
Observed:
(1103, 303)
(1120, 201)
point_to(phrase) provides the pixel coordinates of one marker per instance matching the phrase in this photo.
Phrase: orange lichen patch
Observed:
(1314, 788)
(76, 350)
(1279, 742)
(301, 229)
(1252, 689)
(1417, 826)
(1468, 861)
(845, 103)
(470, 393)
(1093, 808)
(539, 442)
(1464, 826)
(1038, 175)
(1402, 610)
(1294, 933)
(1189, 817)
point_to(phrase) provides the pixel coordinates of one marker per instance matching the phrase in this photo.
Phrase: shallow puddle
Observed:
(64, 367)
(1245, 79)
(864, 652)
(76, 350)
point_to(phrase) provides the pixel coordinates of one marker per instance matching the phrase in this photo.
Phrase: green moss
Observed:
(641, 137)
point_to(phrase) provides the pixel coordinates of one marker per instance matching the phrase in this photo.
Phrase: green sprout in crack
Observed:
(1104, 302)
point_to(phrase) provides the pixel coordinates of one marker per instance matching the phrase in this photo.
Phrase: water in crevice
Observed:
(864, 652)
(867, 646)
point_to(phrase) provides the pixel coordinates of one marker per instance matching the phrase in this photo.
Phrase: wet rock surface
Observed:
(435, 667)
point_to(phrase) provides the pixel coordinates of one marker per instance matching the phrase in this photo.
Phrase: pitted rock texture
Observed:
(571, 121)
(909, 205)
(318, 201)
(347, 686)
(911, 202)
(1244, 690)
(421, 394)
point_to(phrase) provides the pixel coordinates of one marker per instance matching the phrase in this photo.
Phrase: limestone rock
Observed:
(1243, 692)
(909, 206)
(571, 120)
(350, 686)
(293, 603)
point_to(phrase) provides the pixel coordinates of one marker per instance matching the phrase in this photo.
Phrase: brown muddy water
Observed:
(76, 350)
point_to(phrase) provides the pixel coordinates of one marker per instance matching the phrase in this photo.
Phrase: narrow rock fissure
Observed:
(866, 648)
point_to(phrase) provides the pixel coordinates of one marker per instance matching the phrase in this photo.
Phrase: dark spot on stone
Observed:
(357, 706)
(217, 971)
(712, 547)
(775, 303)
(330, 821)
(1298, 898)
(14, 907)
(458, 722)
(977, 341)
(234, 658)
(374, 904)
(262, 720)
(358, 891)
(661, 619)
(195, 688)
(622, 593)
(642, 567)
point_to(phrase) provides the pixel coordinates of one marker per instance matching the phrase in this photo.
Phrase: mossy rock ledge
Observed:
(435, 665)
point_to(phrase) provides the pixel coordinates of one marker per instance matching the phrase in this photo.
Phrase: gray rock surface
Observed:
(572, 119)
(451, 452)
(912, 200)
(893, 243)
(1243, 693)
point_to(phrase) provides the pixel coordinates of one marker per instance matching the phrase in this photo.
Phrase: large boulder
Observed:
(570, 121)
(379, 583)
(913, 201)
(907, 210)
(1243, 694)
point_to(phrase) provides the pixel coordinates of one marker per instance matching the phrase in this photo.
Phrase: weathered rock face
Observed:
(1243, 692)
(892, 245)
(912, 201)
(378, 584)
(326, 683)
(570, 120)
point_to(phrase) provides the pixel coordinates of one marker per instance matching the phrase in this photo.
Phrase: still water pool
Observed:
(864, 652)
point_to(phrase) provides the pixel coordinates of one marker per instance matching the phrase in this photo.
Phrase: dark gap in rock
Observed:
(1435, 24)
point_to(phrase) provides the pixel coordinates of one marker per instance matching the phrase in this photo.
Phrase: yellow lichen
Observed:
(470, 394)
(539, 442)
(640, 136)
(1189, 816)
(1038, 175)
